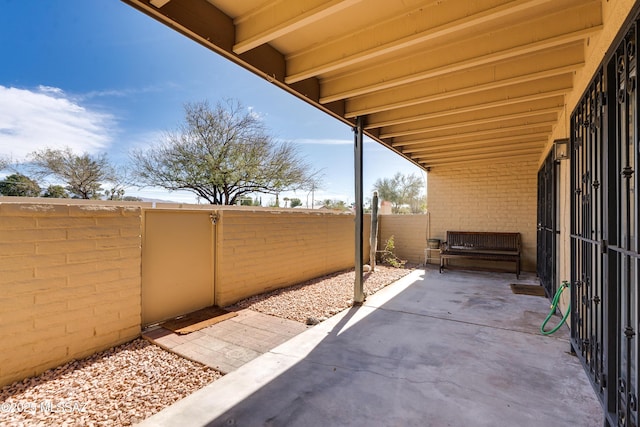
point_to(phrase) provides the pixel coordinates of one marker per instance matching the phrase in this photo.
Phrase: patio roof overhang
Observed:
(440, 82)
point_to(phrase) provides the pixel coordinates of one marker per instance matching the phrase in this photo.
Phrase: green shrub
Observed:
(389, 257)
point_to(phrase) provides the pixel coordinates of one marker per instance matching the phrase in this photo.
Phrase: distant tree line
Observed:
(83, 176)
(223, 154)
(404, 192)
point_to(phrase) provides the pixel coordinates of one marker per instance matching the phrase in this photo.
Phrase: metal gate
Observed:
(546, 236)
(177, 263)
(604, 240)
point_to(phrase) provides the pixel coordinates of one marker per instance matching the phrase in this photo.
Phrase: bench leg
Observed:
(441, 264)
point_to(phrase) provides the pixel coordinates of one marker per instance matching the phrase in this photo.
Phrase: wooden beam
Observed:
(159, 3)
(487, 155)
(347, 86)
(275, 19)
(377, 122)
(467, 123)
(453, 151)
(505, 158)
(366, 104)
(474, 134)
(399, 33)
(414, 152)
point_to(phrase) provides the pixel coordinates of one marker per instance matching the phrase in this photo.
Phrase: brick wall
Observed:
(261, 250)
(70, 271)
(486, 197)
(69, 282)
(409, 235)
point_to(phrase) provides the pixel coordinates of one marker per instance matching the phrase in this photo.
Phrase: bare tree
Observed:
(221, 154)
(83, 174)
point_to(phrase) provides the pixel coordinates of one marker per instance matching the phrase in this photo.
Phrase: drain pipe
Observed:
(358, 289)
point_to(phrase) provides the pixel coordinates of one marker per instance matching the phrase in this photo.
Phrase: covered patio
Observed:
(432, 349)
(525, 115)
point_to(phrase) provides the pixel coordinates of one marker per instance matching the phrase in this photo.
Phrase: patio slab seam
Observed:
(433, 316)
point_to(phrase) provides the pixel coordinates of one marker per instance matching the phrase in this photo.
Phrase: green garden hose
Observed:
(554, 305)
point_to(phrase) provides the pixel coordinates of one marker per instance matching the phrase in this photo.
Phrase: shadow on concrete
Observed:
(453, 349)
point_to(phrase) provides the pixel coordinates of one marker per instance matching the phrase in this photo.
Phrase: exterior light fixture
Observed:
(561, 149)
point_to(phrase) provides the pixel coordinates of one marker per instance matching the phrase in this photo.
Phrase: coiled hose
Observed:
(554, 306)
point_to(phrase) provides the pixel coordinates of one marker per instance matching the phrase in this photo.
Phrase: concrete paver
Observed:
(229, 344)
(453, 349)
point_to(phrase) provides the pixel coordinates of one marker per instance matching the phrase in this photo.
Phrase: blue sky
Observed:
(99, 76)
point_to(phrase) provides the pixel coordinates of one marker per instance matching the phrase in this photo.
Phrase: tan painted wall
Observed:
(70, 281)
(70, 271)
(486, 197)
(261, 250)
(409, 235)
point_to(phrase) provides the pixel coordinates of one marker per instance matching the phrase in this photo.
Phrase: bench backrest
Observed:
(484, 240)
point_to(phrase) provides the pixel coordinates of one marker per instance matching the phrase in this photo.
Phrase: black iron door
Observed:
(605, 249)
(546, 236)
(588, 291)
(623, 250)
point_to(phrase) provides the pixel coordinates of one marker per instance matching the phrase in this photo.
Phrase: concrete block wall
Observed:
(409, 235)
(262, 250)
(486, 197)
(70, 271)
(70, 282)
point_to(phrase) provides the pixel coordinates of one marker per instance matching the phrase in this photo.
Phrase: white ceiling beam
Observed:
(275, 19)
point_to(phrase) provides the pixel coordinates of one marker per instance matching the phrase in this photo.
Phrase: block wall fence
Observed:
(69, 283)
(263, 250)
(409, 235)
(70, 271)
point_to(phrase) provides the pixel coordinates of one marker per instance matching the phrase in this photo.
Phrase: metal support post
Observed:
(358, 289)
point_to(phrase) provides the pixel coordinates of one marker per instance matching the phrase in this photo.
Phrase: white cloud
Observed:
(255, 114)
(122, 93)
(48, 118)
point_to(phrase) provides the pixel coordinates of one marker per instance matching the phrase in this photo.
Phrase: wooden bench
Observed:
(484, 246)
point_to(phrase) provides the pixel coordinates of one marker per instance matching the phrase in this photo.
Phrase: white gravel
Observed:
(116, 387)
(321, 298)
(128, 383)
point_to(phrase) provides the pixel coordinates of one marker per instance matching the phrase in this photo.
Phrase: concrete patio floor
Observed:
(452, 349)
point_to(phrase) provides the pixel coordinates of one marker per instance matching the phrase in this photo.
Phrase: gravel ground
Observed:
(116, 387)
(128, 383)
(318, 299)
